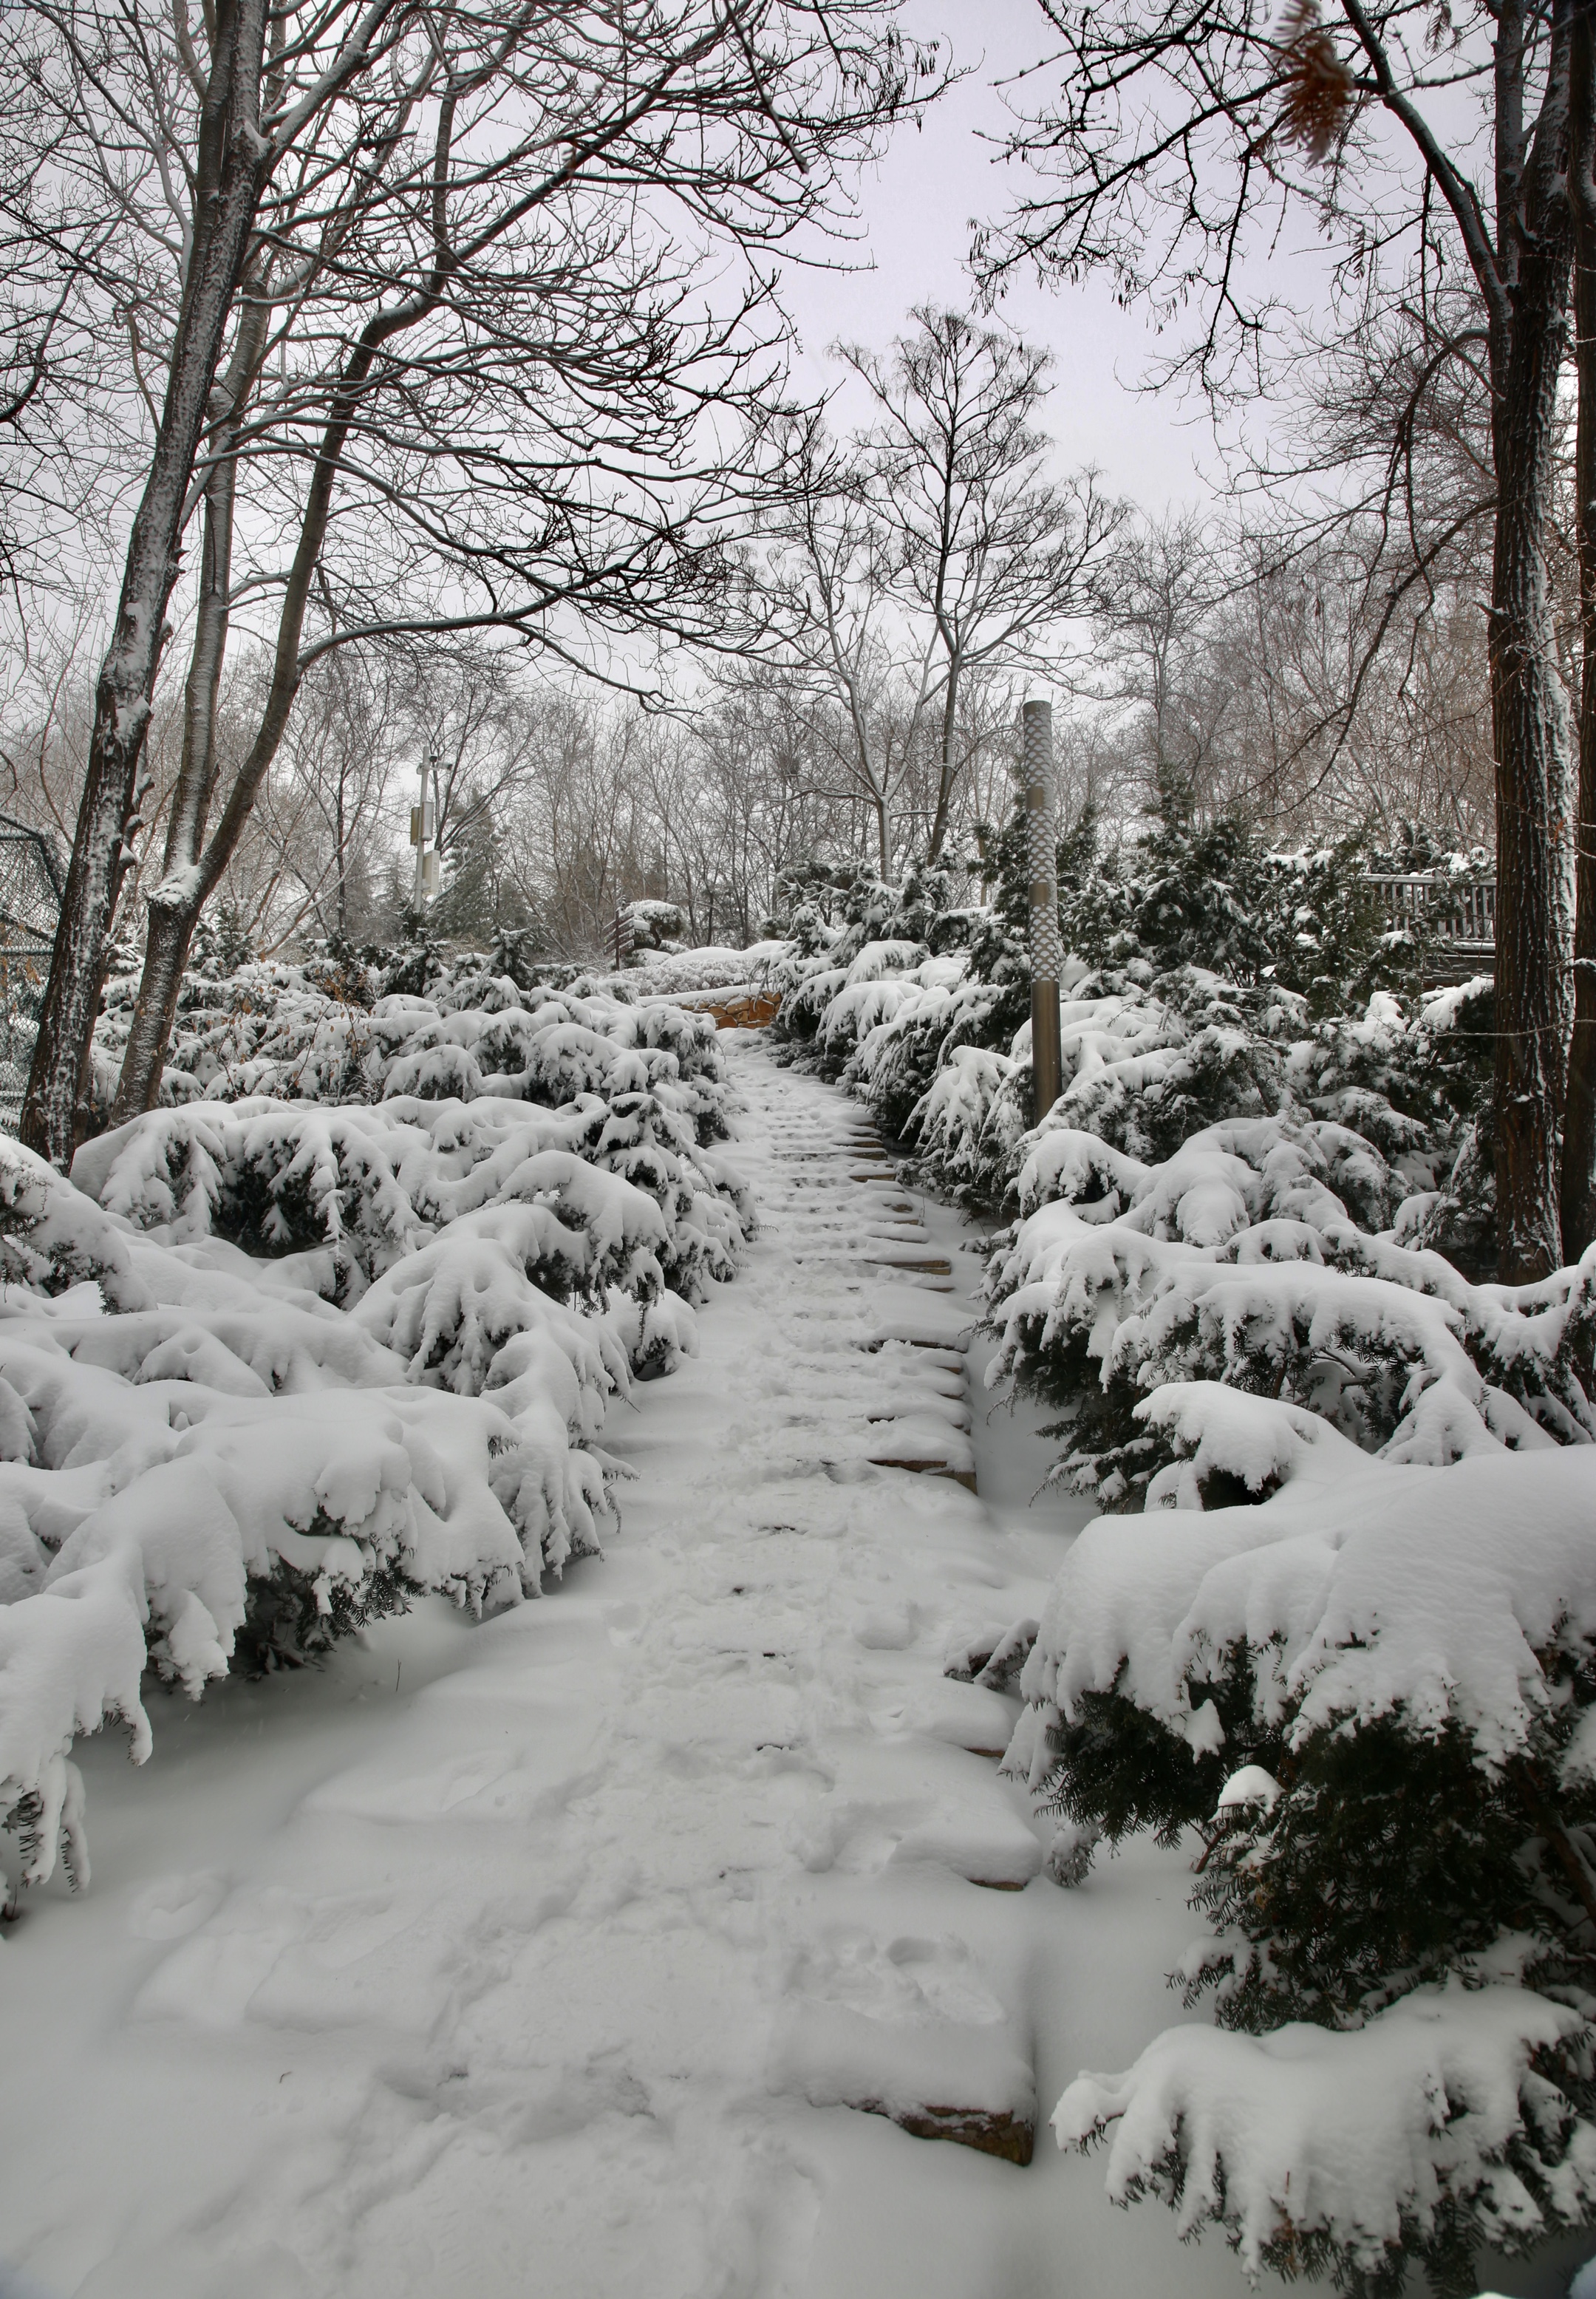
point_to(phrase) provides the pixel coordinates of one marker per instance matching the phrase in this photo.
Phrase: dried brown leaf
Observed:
(1319, 90)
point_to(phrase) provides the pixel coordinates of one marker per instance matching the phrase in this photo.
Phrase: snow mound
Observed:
(1369, 1692)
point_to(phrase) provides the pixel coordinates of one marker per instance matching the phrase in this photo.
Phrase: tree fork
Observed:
(175, 906)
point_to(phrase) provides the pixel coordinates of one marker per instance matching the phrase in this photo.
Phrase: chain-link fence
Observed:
(31, 883)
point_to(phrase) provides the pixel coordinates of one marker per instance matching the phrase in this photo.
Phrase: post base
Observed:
(1047, 1059)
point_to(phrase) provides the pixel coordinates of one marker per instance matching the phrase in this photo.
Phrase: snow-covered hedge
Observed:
(327, 1032)
(1373, 1695)
(1267, 1255)
(1207, 979)
(339, 1326)
(623, 1196)
(1346, 1652)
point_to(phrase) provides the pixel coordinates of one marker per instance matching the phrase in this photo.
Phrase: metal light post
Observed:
(1046, 951)
(423, 824)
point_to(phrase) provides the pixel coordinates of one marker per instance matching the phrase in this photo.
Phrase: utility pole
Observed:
(423, 826)
(1046, 952)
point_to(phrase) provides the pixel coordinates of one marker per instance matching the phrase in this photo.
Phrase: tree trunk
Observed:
(167, 934)
(155, 1009)
(947, 771)
(1530, 726)
(232, 164)
(1579, 1127)
(176, 904)
(183, 897)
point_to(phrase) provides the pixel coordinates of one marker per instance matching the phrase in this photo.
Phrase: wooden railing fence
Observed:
(1460, 913)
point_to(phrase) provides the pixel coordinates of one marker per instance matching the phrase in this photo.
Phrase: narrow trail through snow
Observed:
(559, 1956)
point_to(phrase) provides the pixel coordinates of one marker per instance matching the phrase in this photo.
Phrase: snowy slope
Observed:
(545, 1956)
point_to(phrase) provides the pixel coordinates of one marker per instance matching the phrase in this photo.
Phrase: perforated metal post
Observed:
(1046, 951)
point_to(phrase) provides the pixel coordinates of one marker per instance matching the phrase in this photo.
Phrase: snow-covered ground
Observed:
(547, 1955)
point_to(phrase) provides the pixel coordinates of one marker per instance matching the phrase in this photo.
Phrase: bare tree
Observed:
(461, 712)
(1181, 132)
(429, 320)
(1267, 670)
(66, 72)
(579, 837)
(1160, 591)
(863, 685)
(924, 557)
(985, 551)
(313, 852)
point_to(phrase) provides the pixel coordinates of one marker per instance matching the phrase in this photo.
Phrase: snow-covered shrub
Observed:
(1141, 1071)
(712, 966)
(482, 1072)
(1198, 961)
(619, 1194)
(1182, 892)
(1459, 2116)
(1185, 891)
(205, 1463)
(880, 981)
(1147, 1072)
(648, 924)
(337, 1326)
(807, 987)
(950, 1073)
(1259, 1257)
(887, 930)
(902, 1061)
(969, 1122)
(337, 1031)
(1373, 1697)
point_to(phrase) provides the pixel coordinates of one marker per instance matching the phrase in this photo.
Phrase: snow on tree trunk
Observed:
(169, 932)
(174, 907)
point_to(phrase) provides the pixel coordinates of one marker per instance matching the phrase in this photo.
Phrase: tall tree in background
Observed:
(320, 833)
(924, 560)
(864, 686)
(983, 551)
(1269, 669)
(1180, 134)
(428, 331)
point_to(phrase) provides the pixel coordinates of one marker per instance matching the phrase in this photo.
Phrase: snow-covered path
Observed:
(548, 1956)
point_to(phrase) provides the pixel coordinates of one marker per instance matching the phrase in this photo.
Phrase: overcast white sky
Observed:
(917, 209)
